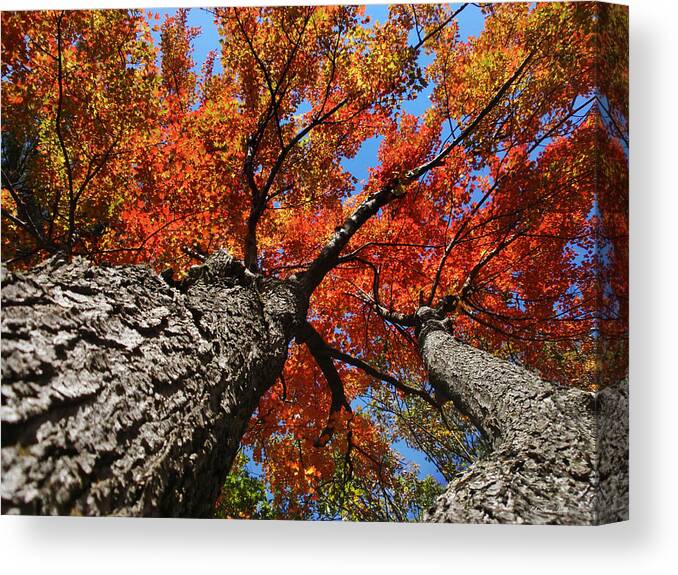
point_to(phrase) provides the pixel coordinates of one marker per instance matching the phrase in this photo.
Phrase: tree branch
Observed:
(438, 28)
(319, 350)
(62, 143)
(329, 255)
(367, 368)
(437, 161)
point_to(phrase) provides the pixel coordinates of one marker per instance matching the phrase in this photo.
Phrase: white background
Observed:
(645, 544)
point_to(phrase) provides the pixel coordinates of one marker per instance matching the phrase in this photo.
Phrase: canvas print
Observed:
(361, 263)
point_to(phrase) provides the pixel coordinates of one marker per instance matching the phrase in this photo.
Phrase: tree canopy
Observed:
(502, 205)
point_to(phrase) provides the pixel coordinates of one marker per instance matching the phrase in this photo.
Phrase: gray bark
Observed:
(559, 455)
(122, 395)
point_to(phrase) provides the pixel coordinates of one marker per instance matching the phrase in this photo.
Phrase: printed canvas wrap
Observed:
(363, 263)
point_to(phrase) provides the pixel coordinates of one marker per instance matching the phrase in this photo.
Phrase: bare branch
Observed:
(438, 28)
(319, 350)
(62, 142)
(367, 368)
(438, 160)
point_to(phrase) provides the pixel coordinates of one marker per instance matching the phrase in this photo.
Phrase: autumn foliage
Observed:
(507, 202)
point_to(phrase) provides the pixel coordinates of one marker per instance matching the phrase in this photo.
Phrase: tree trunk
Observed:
(123, 395)
(558, 455)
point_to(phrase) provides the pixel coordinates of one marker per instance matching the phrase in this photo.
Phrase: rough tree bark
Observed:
(559, 455)
(124, 395)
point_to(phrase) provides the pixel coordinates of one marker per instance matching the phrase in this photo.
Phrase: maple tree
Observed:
(501, 206)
